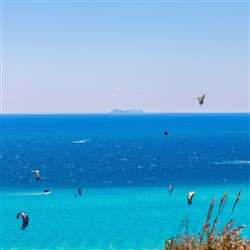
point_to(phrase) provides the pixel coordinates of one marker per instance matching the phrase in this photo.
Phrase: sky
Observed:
(96, 56)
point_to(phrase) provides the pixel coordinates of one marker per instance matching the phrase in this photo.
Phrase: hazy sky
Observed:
(95, 56)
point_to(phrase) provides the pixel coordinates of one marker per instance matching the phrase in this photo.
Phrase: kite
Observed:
(25, 219)
(190, 197)
(201, 99)
(37, 174)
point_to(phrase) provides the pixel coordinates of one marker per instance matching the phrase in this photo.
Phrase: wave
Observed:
(80, 141)
(28, 194)
(237, 162)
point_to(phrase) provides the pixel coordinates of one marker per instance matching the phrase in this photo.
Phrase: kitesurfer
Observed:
(25, 219)
(170, 189)
(190, 197)
(79, 192)
(201, 99)
(165, 133)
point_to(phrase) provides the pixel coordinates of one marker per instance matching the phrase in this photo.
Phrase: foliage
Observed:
(209, 238)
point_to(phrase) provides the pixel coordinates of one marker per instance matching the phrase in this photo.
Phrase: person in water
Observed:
(25, 219)
(170, 189)
(79, 192)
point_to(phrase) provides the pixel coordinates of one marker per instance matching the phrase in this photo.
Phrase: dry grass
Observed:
(209, 239)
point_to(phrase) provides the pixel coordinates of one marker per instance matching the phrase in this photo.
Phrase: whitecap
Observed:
(236, 162)
(80, 141)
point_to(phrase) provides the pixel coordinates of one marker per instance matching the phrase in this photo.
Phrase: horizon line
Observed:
(144, 113)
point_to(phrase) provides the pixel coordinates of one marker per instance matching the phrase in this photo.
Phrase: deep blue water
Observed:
(125, 164)
(125, 150)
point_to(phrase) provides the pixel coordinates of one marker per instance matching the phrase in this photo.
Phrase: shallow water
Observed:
(113, 218)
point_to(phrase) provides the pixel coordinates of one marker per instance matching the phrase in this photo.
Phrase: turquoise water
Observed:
(113, 218)
(125, 164)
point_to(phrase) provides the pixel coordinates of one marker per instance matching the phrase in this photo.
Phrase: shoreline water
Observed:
(124, 218)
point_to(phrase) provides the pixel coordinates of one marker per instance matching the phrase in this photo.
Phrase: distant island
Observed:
(129, 111)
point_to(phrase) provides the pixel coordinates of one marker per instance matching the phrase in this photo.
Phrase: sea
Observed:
(125, 165)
